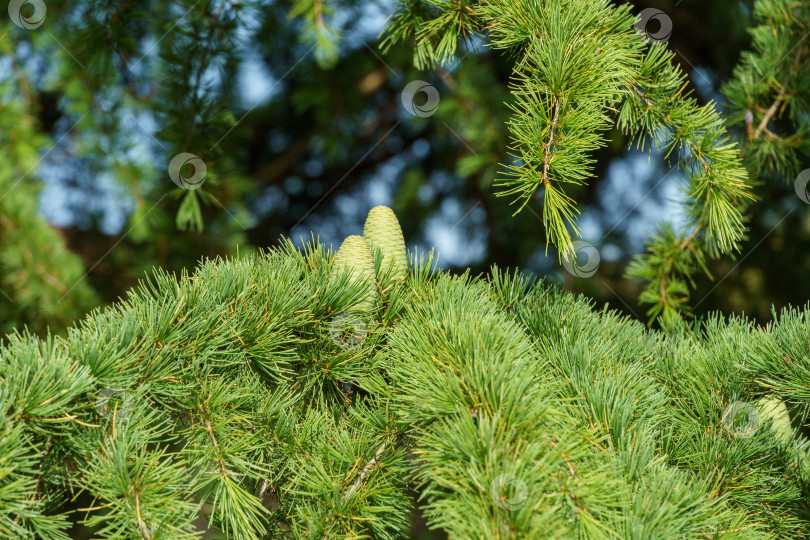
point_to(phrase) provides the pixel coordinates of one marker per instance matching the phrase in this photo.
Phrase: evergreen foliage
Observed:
(579, 68)
(308, 394)
(769, 96)
(320, 29)
(229, 399)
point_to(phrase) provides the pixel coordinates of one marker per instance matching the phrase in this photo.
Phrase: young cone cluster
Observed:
(382, 231)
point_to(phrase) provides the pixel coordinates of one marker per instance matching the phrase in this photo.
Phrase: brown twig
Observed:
(363, 473)
(547, 154)
(143, 529)
(688, 240)
(769, 113)
(357, 483)
(264, 487)
(223, 471)
(318, 8)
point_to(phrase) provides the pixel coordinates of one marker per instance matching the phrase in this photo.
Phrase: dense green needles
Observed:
(224, 398)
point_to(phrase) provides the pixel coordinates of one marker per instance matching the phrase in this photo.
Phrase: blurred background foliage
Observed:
(299, 119)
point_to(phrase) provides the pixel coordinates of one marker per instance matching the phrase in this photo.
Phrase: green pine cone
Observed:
(775, 410)
(354, 255)
(382, 230)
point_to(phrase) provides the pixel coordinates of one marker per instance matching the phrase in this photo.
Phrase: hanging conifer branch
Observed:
(581, 67)
(768, 94)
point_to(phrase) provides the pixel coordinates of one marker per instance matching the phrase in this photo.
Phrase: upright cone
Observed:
(775, 410)
(382, 231)
(354, 255)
